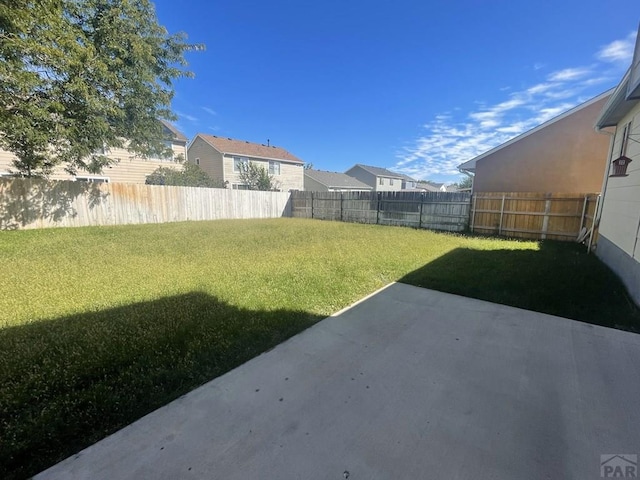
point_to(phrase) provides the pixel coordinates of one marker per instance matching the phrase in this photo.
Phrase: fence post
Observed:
(341, 205)
(584, 211)
(421, 204)
(378, 208)
(593, 224)
(501, 215)
(311, 204)
(473, 210)
(545, 220)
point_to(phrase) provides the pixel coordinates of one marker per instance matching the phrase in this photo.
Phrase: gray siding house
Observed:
(321, 181)
(618, 243)
(380, 179)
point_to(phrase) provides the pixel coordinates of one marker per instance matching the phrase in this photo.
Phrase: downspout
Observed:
(605, 181)
(470, 175)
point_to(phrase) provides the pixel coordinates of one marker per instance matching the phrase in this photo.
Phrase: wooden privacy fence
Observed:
(35, 203)
(534, 215)
(447, 211)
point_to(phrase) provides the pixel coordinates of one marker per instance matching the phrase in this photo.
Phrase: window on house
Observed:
(197, 161)
(381, 181)
(92, 179)
(620, 164)
(239, 186)
(238, 162)
(391, 181)
(274, 168)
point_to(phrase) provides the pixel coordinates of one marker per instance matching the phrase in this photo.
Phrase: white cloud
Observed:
(539, 88)
(456, 136)
(569, 74)
(186, 116)
(545, 114)
(598, 80)
(619, 51)
(210, 111)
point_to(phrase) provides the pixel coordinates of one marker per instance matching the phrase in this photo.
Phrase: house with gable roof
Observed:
(380, 179)
(222, 158)
(562, 155)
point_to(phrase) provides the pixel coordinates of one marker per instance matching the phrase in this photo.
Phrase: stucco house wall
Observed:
(565, 156)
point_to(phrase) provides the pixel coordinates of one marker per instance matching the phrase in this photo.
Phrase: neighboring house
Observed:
(222, 159)
(380, 179)
(618, 243)
(408, 183)
(563, 155)
(129, 168)
(429, 186)
(321, 181)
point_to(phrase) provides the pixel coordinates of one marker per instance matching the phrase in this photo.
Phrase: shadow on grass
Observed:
(559, 279)
(68, 382)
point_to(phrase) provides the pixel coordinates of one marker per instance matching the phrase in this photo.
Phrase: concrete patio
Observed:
(410, 383)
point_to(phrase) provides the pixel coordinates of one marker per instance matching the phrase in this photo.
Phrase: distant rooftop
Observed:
(382, 172)
(249, 149)
(336, 179)
(177, 134)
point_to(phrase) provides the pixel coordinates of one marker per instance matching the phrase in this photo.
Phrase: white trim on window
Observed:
(237, 161)
(91, 179)
(274, 167)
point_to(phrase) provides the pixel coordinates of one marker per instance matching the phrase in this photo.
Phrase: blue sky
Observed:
(415, 86)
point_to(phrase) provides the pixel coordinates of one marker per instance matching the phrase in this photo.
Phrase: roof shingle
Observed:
(381, 172)
(177, 134)
(249, 149)
(336, 179)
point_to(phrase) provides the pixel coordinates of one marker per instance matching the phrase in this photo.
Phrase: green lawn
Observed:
(99, 326)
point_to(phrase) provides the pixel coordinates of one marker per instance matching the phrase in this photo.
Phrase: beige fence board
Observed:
(533, 215)
(36, 203)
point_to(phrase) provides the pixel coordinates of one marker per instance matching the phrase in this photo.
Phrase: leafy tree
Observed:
(256, 177)
(82, 76)
(191, 175)
(466, 182)
(308, 166)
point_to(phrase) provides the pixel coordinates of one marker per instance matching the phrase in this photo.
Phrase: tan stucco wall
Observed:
(210, 158)
(291, 175)
(620, 220)
(567, 156)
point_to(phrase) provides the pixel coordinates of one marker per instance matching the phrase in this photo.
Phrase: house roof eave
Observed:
(617, 106)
